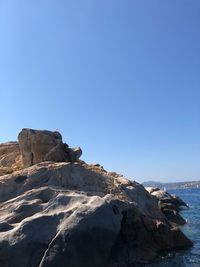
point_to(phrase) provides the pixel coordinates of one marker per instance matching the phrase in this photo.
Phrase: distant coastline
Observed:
(177, 185)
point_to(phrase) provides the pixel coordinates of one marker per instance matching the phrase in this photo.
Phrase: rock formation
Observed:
(10, 158)
(72, 214)
(38, 146)
(170, 205)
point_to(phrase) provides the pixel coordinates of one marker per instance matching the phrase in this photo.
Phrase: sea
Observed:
(191, 256)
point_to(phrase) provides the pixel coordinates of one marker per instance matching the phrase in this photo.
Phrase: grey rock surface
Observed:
(170, 205)
(59, 211)
(74, 214)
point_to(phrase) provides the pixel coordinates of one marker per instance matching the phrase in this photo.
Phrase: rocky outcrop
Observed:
(35, 146)
(169, 204)
(40, 145)
(79, 215)
(74, 214)
(10, 158)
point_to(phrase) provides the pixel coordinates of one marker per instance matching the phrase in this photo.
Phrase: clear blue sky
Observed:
(119, 78)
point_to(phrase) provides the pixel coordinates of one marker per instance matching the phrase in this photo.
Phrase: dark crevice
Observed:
(119, 243)
(115, 210)
(20, 179)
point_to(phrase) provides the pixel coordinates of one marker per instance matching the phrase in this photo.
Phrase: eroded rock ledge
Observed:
(73, 214)
(169, 204)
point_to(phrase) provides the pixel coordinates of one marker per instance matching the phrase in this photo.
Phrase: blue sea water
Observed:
(189, 257)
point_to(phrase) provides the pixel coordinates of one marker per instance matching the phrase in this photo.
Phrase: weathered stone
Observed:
(38, 146)
(174, 217)
(169, 204)
(35, 144)
(72, 214)
(64, 212)
(178, 201)
(152, 189)
(58, 153)
(10, 158)
(77, 152)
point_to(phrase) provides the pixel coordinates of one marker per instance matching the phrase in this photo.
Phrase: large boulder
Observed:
(35, 144)
(40, 145)
(58, 228)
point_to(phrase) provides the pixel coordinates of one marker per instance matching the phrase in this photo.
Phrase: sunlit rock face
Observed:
(10, 158)
(41, 145)
(73, 214)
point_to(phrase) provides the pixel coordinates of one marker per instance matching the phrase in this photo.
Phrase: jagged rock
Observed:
(58, 153)
(166, 204)
(169, 204)
(40, 145)
(77, 152)
(152, 189)
(174, 217)
(139, 231)
(158, 193)
(178, 201)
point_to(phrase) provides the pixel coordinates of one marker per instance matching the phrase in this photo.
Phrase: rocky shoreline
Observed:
(57, 210)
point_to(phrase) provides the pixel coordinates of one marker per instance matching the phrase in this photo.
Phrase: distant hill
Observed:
(152, 184)
(178, 185)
